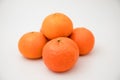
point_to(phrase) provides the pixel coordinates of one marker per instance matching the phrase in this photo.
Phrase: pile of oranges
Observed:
(57, 43)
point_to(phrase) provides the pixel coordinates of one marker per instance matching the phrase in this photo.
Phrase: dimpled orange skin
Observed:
(57, 25)
(84, 39)
(31, 44)
(60, 54)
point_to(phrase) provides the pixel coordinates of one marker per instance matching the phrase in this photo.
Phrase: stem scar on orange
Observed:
(57, 25)
(60, 54)
(31, 44)
(84, 39)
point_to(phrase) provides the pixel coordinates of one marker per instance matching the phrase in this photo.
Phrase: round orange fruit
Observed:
(84, 39)
(60, 54)
(57, 25)
(31, 44)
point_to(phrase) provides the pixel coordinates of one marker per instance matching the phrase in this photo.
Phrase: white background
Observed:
(102, 17)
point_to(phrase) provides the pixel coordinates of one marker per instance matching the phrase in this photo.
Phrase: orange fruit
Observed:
(60, 54)
(31, 44)
(84, 39)
(57, 25)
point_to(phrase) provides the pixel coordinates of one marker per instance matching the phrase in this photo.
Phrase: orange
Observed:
(84, 39)
(60, 54)
(57, 25)
(31, 44)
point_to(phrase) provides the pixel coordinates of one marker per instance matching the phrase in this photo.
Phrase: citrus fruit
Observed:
(31, 44)
(84, 39)
(56, 25)
(60, 54)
